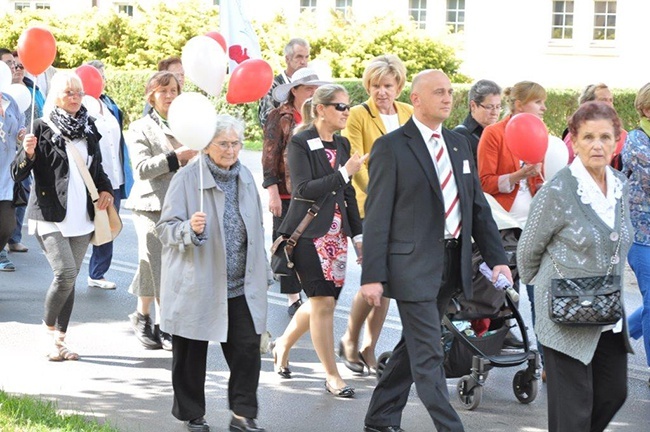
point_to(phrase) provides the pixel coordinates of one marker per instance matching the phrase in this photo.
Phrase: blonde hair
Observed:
(324, 94)
(60, 82)
(642, 100)
(524, 92)
(388, 65)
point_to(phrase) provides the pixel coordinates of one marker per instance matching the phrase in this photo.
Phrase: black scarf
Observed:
(73, 127)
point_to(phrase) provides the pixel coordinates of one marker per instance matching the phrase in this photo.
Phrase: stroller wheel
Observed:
(381, 362)
(525, 387)
(469, 396)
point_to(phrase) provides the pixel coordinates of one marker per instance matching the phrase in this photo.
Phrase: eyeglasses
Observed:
(71, 93)
(490, 107)
(225, 145)
(19, 66)
(339, 106)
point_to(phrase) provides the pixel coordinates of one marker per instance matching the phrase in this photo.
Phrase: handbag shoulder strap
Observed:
(613, 260)
(78, 160)
(304, 223)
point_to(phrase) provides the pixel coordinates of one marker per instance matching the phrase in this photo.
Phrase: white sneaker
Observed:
(101, 283)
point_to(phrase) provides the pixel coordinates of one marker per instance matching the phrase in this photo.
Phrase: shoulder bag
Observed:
(107, 222)
(587, 301)
(282, 249)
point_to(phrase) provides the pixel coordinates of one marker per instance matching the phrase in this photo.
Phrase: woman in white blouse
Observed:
(60, 210)
(579, 226)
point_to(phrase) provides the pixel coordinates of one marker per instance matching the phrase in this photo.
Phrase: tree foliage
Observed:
(139, 42)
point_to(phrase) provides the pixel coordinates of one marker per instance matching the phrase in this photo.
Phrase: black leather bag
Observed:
(586, 301)
(282, 249)
(282, 257)
(21, 195)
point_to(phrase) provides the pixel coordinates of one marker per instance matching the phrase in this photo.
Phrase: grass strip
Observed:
(31, 414)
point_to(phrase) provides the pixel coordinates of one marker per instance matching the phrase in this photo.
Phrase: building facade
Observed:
(558, 43)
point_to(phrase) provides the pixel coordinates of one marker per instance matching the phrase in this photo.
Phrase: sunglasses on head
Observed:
(339, 106)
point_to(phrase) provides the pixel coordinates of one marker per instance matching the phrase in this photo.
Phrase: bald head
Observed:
(431, 96)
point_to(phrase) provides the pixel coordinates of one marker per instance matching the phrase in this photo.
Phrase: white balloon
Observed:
(91, 104)
(204, 62)
(21, 95)
(193, 120)
(5, 76)
(556, 158)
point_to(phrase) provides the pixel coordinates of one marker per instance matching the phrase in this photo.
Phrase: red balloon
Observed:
(36, 49)
(220, 39)
(250, 81)
(527, 137)
(91, 79)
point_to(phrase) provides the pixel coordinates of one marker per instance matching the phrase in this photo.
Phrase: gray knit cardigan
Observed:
(581, 244)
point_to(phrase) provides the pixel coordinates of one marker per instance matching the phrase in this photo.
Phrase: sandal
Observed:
(66, 353)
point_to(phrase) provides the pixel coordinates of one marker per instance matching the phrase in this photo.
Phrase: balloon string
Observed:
(201, 184)
(31, 120)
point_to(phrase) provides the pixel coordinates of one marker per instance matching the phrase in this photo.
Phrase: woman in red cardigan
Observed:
(509, 180)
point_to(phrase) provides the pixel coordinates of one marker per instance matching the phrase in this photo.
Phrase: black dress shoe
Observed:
(244, 425)
(293, 308)
(369, 428)
(356, 367)
(197, 425)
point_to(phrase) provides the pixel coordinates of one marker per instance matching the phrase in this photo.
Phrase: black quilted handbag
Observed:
(586, 301)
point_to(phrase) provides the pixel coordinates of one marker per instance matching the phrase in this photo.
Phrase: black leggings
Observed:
(7, 222)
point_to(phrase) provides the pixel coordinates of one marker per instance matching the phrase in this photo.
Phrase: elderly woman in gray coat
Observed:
(579, 226)
(215, 275)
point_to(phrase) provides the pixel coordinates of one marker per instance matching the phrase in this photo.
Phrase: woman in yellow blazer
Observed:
(383, 79)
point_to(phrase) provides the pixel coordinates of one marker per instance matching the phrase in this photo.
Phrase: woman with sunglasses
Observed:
(321, 168)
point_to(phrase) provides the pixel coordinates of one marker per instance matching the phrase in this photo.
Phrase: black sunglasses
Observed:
(339, 106)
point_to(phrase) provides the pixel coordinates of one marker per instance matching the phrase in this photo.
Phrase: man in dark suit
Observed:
(424, 205)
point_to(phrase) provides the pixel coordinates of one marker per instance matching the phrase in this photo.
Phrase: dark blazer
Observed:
(48, 199)
(403, 244)
(312, 177)
(472, 130)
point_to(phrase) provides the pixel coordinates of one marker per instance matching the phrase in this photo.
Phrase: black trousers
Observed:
(585, 398)
(288, 284)
(242, 353)
(418, 357)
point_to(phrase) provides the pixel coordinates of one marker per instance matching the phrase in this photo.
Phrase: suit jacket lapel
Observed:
(419, 148)
(320, 154)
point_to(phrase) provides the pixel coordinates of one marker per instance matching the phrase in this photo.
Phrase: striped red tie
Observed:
(448, 186)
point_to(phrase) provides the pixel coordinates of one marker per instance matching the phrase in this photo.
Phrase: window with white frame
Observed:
(604, 20)
(344, 6)
(418, 11)
(26, 5)
(562, 21)
(125, 9)
(456, 15)
(308, 5)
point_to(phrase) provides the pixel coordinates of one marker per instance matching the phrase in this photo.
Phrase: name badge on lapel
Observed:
(466, 168)
(315, 144)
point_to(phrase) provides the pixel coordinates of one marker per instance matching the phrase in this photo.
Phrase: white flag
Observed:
(240, 36)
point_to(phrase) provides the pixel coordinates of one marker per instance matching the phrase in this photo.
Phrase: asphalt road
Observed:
(119, 382)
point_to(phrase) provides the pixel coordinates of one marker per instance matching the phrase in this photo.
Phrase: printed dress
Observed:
(332, 248)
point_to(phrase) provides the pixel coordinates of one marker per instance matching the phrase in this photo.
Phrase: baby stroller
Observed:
(474, 330)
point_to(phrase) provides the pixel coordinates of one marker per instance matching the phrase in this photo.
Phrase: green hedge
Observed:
(127, 88)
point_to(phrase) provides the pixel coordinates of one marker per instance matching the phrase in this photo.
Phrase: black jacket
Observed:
(312, 177)
(51, 168)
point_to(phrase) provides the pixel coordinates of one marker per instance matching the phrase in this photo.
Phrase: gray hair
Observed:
(226, 123)
(589, 92)
(60, 82)
(288, 49)
(323, 95)
(482, 89)
(97, 64)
